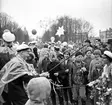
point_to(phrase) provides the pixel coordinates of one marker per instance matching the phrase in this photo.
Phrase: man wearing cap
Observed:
(16, 74)
(97, 43)
(107, 58)
(107, 73)
(6, 53)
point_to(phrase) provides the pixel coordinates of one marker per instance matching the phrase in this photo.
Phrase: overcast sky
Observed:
(29, 12)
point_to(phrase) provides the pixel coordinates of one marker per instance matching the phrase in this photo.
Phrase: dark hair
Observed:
(88, 41)
(23, 50)
(56, 48)
(109, 41)
(45, 46)
(60, 56)
(78, 53)
(36, 54)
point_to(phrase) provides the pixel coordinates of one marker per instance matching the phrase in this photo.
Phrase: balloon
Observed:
(34, 32)
(52, 39)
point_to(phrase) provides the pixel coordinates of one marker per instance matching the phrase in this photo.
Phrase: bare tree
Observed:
(7, 22)
(72, 27)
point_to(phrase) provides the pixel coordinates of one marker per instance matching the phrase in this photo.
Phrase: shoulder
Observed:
(15, 60)
(12, 64)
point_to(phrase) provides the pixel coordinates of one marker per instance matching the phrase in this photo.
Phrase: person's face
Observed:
(80, 57)
(26, 53)
(96, 55)
(78, 63)
(53, 58)
(66, 55)
(105, 60)
(98, 43)
(30, 57)
(89, 53)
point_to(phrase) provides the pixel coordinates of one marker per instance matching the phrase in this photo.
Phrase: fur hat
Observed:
(8, 36)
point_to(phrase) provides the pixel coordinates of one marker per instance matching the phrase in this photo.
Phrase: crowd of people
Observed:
(72, 73)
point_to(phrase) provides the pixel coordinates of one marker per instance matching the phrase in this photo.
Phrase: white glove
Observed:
(83, 69)
(56, 74)
(67, 70)
(44, 74)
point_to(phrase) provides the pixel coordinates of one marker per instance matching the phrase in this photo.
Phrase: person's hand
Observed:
(56, 74)
(83, 69)
(67, 70)
(91, 83)
(44, 74)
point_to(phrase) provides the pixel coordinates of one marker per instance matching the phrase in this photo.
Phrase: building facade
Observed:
(105, 35)
(80, 37)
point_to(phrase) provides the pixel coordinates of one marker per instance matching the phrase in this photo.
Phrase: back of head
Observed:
(39, 89)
